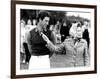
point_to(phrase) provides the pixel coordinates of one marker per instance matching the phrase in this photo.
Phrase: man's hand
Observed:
(45, 38)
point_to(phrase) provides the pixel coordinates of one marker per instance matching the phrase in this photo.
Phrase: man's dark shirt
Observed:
(38, 45)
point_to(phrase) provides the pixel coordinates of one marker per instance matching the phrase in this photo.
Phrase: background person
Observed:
(28, 27)
(22, 50)
(56, 32)
(86, 35)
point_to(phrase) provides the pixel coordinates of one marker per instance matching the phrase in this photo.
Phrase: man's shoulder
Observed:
(33, 30)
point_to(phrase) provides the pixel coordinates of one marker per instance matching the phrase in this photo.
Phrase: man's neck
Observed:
(39, 27)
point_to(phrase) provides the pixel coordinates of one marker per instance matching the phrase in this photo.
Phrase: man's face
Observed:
(45, 22)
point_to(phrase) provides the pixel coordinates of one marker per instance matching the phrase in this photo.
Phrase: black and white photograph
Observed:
(54, 39)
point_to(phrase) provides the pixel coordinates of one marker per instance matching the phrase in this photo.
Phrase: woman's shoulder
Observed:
(83, 41)
(68, 39)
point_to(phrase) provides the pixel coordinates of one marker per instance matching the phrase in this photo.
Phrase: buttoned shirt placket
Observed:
(74, 54)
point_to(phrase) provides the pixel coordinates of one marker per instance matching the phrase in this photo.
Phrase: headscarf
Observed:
(72, 30)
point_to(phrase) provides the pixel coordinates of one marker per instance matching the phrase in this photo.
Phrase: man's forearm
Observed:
(54, 48)
(51, 46)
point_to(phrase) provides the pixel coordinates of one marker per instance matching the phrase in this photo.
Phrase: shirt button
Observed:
(74, 55)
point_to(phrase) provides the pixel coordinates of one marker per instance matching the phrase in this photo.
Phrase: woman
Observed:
(76, 49)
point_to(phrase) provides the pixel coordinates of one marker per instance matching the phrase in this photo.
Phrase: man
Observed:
(37, 46)
(76, 49)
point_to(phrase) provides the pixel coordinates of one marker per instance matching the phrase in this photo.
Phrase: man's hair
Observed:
(42, 15)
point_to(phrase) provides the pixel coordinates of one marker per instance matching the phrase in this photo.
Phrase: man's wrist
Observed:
(48, 41)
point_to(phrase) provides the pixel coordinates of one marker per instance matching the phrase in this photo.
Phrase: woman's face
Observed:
(79, 32)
